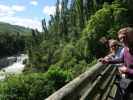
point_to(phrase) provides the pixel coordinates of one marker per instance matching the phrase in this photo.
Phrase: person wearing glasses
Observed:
(114, 50)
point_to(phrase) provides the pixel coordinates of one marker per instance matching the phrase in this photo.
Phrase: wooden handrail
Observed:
(88, 85)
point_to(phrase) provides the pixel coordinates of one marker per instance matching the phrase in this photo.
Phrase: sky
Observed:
(27, 13)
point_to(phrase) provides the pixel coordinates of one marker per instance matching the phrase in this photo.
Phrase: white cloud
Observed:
(10, 10)
(6, 10)
(49, 10)
(26, 22)
(7, 14)
(60, 0)
(34, 3)
(18, 8)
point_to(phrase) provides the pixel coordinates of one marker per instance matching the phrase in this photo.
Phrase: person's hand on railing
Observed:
(103, 60)
(123, 69)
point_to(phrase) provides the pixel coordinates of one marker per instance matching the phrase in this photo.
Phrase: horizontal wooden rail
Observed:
(94, 84)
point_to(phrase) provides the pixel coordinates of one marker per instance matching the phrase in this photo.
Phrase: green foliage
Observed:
(68, 46)
(67, 43)
(13, 39)
(44, 55)
(68, 52)
(59, 76)
(95, 27)
(79, 68)
(21, 87)
(11, 44)
(83, 48)
(35, 86)
(94, 30)
(105, 22)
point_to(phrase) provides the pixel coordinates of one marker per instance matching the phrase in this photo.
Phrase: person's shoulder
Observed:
(120, 50)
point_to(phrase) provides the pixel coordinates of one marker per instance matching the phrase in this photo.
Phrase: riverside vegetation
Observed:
(67, 47)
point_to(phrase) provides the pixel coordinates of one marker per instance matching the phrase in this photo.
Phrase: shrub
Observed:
(35, 86)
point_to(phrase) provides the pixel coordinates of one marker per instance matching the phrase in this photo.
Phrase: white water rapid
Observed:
(15, 68)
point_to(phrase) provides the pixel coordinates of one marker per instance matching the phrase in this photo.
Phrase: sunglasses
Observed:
(115, 45)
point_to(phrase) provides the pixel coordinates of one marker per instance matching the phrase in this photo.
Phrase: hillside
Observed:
(14, 29)
(68, 46)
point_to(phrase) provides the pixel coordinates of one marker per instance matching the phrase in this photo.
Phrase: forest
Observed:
(66, 47)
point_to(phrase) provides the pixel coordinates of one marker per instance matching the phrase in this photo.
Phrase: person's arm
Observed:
(126, 70)
(111, 61)
(115, 61)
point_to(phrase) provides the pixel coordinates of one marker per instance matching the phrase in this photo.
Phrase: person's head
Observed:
(128, 33)
(122, 35)
(105, 41)
(113, 45)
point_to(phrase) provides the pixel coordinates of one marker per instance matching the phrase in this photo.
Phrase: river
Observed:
(15, 68)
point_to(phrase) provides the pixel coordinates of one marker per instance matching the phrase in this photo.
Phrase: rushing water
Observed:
(16, 68)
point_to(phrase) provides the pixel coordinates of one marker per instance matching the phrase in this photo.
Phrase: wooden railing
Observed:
(97, 83)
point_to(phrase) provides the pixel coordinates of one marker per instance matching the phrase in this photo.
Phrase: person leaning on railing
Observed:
(126, 36)
(127, 56)
(115, 50)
